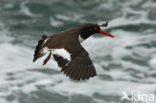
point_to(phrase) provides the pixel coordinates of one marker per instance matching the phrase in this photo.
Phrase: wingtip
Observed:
(79, 73)
(34, 60)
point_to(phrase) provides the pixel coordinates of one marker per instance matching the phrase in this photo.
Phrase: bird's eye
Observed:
(95, 28)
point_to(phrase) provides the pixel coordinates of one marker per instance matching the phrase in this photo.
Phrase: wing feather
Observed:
(80, 66)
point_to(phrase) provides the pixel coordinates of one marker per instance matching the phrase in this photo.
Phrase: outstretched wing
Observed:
(79, 67)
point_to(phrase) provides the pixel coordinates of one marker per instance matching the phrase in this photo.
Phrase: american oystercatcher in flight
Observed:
(66, 49)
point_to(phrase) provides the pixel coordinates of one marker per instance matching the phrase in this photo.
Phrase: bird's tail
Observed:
(38, 51)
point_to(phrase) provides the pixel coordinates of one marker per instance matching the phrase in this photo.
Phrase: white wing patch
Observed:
(45, 50)
(80, 39)
(62, 52)
(45, 40)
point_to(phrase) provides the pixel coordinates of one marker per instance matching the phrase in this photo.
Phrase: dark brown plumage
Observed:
(38, 48)
(70, 56)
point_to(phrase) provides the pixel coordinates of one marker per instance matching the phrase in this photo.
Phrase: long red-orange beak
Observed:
(103, 32)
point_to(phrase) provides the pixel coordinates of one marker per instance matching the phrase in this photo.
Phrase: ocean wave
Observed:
(124, 63)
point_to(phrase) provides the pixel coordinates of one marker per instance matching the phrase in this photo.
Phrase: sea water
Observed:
(125, 64)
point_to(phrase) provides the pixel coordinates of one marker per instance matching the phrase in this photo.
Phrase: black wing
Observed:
(80, 66)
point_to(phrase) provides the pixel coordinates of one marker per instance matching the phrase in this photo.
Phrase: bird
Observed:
(66, 49)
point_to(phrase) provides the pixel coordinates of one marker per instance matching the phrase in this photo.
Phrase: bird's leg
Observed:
(47, 59)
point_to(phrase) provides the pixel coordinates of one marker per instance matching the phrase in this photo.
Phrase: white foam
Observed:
(26, 10)
(102, 87)
(71, 17)
(63, 17)
(55, 23)
(22, 57)
(17, 59)
(127, 9)
(152, 61)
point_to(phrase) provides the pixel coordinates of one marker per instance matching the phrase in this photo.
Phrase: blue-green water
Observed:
(126, 63)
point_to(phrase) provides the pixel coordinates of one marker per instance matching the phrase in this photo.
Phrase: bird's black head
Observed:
(87, 30)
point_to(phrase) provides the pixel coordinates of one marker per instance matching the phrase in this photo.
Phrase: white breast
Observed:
(80, 39)
(62, 52)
